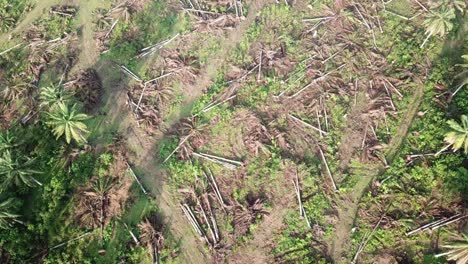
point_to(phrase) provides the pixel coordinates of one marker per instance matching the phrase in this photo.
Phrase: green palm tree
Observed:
(457, 138)
(16, 171)
(457, 250)
(5, 216)
(52, 95)
(64, 119)
(7, 141)
(439, 22)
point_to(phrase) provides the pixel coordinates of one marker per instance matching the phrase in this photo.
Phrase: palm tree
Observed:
(5, 216)
(439, 22)
(16, 171)
(52, 95)
(7, 141)
(67, 120)
(457, 138)
(457, 250)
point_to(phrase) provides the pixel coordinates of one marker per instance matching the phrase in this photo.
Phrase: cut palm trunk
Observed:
(316, 80)
(177, 148)
(215, 187)
(135, 239)
(136, 179)
(437, 224)
(71, 240)
(196, 226)
(327, 168)
(130, 73)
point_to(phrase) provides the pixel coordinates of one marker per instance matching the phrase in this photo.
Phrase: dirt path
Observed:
(348, 204)
(406, 121)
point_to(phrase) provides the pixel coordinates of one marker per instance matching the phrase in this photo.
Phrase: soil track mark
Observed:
(35, 13)
(89, 51)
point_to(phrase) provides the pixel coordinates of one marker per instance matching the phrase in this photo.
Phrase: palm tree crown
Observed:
(52, 95)
(6, 216)
(67, 120)
(439, 22)
(16, 171)
(458, 137)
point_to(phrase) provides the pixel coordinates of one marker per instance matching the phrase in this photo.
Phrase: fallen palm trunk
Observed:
(222, 159)
(225, 164)
(130, 73)
(10, 49)
(302, 211)
(327, 168)
(436, 224)
(212, 218)
(151, 49)
(365, 240)
(112, 28)
(215, 187)
(71, 240)
(308, 125)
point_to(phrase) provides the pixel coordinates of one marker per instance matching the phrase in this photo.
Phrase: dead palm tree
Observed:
(102, 19)
(14, 88)
(16, 171)
(123, 11)
(5, 216)
(160, 94)
(64, 119)
(93, 203)
(457, 250)
(152, 237)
